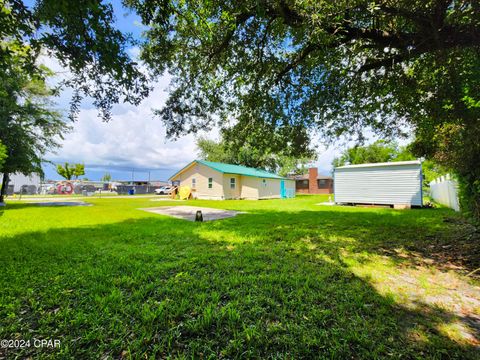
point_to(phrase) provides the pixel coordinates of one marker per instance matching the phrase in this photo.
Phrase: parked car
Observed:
(164, 190)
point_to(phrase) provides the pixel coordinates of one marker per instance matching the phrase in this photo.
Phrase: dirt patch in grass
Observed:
(434, 275)
(449, 299)
(457, 250)
(448, 302)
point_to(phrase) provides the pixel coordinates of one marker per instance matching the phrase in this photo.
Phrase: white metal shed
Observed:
(392, 183)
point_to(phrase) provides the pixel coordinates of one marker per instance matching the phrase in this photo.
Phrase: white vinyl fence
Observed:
(444, 190)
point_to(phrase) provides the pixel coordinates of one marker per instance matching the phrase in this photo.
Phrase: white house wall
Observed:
(201, 173)
(270, 189)
(290, 185)
(389, 185)
(249, 188)
(230, 193)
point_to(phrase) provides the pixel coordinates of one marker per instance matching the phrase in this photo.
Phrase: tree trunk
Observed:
(3, 190)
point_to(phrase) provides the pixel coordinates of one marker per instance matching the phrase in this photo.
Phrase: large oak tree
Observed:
(3, 155)
(82, 36)
(29, 126)
(338, 67)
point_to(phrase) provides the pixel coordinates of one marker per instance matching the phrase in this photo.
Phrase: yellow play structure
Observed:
(184, 192)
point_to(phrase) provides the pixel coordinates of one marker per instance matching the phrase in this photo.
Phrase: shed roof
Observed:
(393, 163)
(233, 169)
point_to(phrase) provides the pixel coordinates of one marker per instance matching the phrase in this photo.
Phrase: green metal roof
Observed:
(235, 169)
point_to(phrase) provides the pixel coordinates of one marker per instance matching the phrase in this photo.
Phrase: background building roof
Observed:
(306, 177)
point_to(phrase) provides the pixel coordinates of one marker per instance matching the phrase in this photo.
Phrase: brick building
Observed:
(312, 183)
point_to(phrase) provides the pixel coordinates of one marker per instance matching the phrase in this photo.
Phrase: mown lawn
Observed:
(287, 279)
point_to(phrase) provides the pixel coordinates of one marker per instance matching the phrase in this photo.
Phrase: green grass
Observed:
(287, 279)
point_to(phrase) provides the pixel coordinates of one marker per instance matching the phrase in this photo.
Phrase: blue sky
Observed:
(133, 142)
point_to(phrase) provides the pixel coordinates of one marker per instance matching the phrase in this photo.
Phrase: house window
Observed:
(210, 183)
(322, 183)
(264, 183)
(232, 183)
(301, 184)
(194, 183)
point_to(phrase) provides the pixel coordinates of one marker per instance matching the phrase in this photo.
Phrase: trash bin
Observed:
(131, 191)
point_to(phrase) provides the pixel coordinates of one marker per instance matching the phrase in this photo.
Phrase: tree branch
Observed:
(416, 17)
(380, 37)
(241, 18)
(387, 62)
(307, 50)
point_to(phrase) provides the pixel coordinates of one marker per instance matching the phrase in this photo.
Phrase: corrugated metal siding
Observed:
(387, 185)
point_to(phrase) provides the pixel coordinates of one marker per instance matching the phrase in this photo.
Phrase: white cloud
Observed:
(133, 138)
(324, 160)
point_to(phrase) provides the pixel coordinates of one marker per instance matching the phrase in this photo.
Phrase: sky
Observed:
(133, 145)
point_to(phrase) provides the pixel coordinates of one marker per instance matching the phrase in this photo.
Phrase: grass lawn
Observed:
(287, 279)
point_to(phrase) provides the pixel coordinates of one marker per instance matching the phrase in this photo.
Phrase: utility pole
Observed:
(133, 179)
(148, 184)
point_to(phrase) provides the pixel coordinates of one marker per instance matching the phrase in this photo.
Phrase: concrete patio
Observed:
(189, 212)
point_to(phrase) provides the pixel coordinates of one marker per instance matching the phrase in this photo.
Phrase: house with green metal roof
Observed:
(219, 181)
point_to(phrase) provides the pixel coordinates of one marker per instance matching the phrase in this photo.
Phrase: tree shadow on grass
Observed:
(245, 287)
(404, 238)
(24, 205)
(19, 206)
(426, 236)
